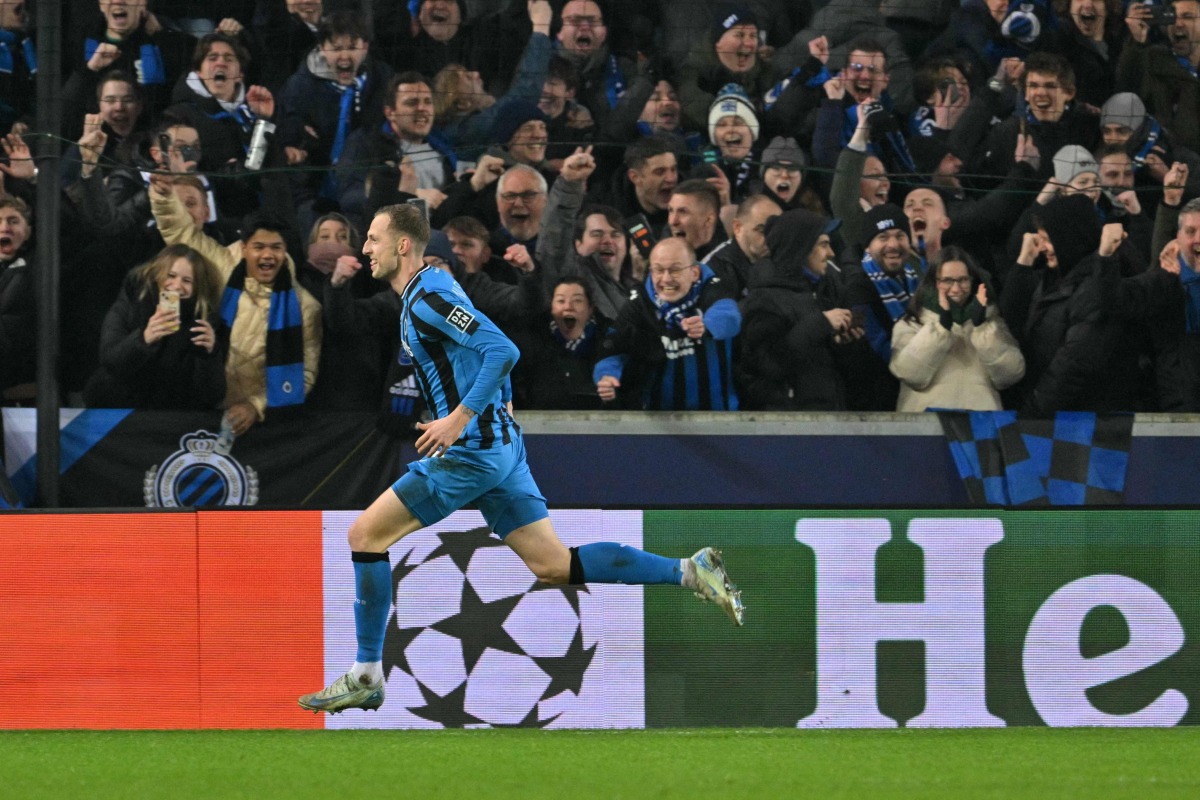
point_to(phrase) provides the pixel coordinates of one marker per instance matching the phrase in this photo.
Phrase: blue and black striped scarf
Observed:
(895, 295)
(285, 335)
(672, 314)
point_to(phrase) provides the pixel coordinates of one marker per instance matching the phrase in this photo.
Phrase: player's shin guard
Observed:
(609, 562)
(372, 603)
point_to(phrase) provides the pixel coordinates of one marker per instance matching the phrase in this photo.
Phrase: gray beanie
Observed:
(783, 150)
(1125, 109)
(1073, 160)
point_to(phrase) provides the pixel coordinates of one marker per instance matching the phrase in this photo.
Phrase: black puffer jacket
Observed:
(172, 373)
(1081, 353)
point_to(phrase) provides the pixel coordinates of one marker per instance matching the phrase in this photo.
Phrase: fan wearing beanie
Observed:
(1080, 354)
(733, 129)
(728, 55)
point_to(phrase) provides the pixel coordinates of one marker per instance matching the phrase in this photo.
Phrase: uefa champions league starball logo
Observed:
(479, 640)
(197, 475)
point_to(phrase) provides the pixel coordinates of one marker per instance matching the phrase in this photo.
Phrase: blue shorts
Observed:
(497, 481)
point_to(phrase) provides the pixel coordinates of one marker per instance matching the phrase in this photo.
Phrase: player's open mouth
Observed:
(5, 242)
(440, 15)
(606, 252)
(583, 41)
(569, 321)
(783, 187)
(918, 227)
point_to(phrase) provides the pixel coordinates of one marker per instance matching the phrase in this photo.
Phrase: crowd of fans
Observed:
(687, 205)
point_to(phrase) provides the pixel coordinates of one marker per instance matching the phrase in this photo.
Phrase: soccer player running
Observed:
(471, 453)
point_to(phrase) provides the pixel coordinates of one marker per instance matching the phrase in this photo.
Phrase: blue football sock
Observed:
(609, 562)
(372, 603)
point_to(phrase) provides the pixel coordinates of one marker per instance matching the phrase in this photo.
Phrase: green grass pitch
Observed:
(573, 765)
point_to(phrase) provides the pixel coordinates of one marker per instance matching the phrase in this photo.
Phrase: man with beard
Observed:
(273, 320)
(18, 325)
(671, 347)
(559, 351)
(878, 291)
(1166, 76)
(693, 215)
(128, 38)
(339, 89)
(795, 321)
(215, 101)
(733, 260)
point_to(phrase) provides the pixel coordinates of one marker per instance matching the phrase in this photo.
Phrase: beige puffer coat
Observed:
(245, 368)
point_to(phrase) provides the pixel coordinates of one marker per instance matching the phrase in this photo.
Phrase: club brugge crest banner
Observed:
(158, 459)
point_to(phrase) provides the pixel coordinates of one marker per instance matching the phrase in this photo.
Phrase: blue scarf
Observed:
(895, 295)
(7, 61)
(285, 335)
(351, 104)
(773, 94)
(614, 82)
(672, 314)
(1191, 288)
(1153, 132)
(1186, 63)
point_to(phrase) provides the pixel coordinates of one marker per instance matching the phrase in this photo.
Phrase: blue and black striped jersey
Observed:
(460, 356)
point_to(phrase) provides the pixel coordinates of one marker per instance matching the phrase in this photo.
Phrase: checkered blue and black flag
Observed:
(1076, 458)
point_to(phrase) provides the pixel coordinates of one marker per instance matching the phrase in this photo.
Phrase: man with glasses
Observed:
(602, 76)
(672, 346)
(520, 202)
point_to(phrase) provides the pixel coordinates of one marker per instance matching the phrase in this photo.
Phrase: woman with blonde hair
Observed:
(163, 344)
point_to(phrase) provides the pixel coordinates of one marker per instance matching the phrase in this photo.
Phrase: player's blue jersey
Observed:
(460, 356)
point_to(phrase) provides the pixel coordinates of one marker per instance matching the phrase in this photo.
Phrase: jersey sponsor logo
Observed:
(678, 348)
(460, 318)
